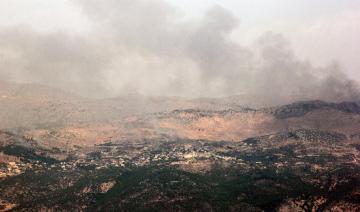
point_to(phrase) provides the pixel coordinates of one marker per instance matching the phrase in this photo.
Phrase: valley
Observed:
(85, 155)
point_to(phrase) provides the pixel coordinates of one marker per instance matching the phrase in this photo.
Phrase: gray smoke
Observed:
(144, 46)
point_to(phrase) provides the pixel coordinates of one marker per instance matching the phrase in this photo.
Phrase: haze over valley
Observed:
(154, 105)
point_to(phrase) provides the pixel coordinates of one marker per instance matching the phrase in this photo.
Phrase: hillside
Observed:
(66, 153)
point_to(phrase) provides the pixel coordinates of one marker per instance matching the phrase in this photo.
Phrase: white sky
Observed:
(320, 30)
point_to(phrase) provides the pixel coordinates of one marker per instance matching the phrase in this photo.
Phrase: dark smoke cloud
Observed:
(144, 46)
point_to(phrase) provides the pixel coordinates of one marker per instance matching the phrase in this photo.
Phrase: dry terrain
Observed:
(61, 152)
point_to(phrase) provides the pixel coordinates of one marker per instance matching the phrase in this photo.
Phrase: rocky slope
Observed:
(64, 153)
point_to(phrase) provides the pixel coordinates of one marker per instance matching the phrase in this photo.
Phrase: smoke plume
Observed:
(146, 47)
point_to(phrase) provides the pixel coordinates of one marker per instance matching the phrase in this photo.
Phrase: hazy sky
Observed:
(315, 32)
(320, 30)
